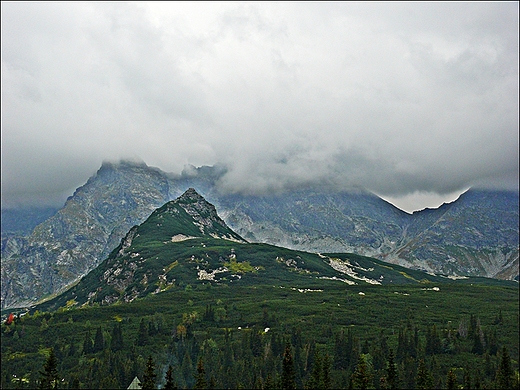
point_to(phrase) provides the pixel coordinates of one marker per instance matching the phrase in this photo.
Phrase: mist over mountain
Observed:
(476, 235)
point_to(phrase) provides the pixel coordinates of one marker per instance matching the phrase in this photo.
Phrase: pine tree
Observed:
(315, 379)
(49, 375)
(170, 385)
(149, 375)
(116, 343)
(504, 377)
(451, 380)
(288, 373)
(99, 342)
(392, 377)
(361, 377)
(325, 369)
(200, 378)
(142, 334)
(87, 343)
(424, 378)
(340, 352)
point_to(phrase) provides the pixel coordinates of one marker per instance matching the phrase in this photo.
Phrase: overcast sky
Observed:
(416, 102)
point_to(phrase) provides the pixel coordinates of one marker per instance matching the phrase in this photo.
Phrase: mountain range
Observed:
(185, 244)
(475, 235)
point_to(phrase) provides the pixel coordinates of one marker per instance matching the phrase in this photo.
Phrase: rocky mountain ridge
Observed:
(476, 235)
(185, 244)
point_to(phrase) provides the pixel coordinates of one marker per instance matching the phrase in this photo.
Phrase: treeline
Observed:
(196, 352)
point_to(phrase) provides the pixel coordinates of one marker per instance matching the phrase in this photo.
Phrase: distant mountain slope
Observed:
(477, 234)
(23, 220)
(185, 243)
(82, 233)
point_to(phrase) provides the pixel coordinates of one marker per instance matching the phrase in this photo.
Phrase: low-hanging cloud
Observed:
(396, 98)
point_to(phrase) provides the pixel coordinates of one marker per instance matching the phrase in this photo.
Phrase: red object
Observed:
(10, 319)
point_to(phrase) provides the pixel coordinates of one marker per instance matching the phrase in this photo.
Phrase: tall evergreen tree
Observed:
(504, 377)
(142, 334)
(49, 375)
(361, 376)
(451, 380)
(315, 379)
(200, 377)
(87, 343)
(116, 342)
(424, 378)
(340, 351)
(288, 372)
(170, 385)
(99, 342)
(392, 377)
(325, 369)
(149, 375)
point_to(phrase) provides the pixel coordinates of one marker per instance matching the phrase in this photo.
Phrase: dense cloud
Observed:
(399, 98)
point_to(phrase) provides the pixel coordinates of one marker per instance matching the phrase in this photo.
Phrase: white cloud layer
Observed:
(396, 97)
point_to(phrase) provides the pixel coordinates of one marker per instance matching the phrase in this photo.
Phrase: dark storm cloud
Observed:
(399, 98)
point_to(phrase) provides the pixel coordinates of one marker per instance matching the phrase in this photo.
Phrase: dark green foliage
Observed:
(313, 321)
(99, 342)
(361, 378)
(504, 377)
(170, 384)
(49, 376)
(116, 342)
(142, 335)
(288, 372)
(200, 376)
(149, 375)
(424, 379)
(392, 376)
(451, 380)
(88, 346)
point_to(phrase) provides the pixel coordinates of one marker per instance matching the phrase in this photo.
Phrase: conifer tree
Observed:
(392, 377)
(424, 378)
(200, 377)
(340, 352)
(451, 380)
(361, 377)
(99, 342)
(116, 343)
(149, 375)
(170, 385)
(49, 375)
(504, 377)
(288, 373)
(142, 334)
(315, 379)
(326, 380)
(87, 343)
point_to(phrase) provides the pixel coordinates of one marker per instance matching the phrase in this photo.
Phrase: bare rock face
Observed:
(81, 234)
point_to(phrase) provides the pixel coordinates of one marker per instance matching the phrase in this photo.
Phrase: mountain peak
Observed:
(190, 195)
(201, 219)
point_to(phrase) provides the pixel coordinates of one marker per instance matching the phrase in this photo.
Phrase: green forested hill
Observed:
(240, 333)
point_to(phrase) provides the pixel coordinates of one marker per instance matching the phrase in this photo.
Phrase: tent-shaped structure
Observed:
(136, 384)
